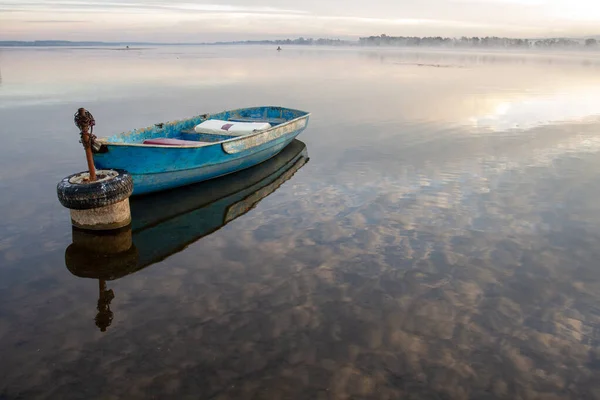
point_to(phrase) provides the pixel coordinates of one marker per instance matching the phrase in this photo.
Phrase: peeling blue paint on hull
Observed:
(159, 167)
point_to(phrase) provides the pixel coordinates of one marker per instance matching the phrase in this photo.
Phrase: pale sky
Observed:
(199, 21)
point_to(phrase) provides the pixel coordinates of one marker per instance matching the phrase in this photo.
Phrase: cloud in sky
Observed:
(189, 20)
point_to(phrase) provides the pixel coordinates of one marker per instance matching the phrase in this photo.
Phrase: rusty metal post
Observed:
(84, 121)
(88, 155)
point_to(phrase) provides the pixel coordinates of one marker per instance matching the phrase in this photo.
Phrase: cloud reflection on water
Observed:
(415, 255)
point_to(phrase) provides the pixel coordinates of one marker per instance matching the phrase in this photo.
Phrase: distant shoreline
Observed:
(590, 43)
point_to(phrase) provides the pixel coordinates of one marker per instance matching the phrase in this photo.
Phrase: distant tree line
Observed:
(381, 40)
(438, 41)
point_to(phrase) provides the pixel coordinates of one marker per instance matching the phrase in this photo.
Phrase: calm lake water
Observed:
(434, 235)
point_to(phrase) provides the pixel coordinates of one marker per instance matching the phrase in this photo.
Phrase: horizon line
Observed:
(308, 39)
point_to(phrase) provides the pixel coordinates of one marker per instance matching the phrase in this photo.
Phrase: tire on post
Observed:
(99, 205)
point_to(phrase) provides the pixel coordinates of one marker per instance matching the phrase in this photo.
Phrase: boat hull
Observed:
(148, 183)
(158, 168)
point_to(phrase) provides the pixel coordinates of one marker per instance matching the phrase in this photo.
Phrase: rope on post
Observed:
(85, 121)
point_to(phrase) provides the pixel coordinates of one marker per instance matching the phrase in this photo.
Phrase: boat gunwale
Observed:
(104, 140)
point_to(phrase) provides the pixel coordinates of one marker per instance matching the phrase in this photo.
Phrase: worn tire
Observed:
(74, 195)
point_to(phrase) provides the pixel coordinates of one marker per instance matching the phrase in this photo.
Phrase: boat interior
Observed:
(209, 128)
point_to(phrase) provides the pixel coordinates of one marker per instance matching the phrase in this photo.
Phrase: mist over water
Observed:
(435, 235)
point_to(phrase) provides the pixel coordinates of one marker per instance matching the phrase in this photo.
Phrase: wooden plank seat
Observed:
(249, 119)
(172, 142)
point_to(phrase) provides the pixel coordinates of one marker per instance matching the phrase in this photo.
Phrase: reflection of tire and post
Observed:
(102, 256)
(104, 316)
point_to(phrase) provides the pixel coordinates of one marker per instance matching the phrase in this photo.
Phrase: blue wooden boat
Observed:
(178, 153)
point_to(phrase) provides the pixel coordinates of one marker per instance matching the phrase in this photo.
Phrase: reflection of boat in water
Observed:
(166, 223)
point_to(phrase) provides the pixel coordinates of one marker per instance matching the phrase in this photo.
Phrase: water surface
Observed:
(434, 235)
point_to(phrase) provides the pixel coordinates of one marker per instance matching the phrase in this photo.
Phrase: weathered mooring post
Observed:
(98, 200)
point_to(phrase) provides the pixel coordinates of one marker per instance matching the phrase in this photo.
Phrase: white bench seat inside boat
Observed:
(232, 128)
